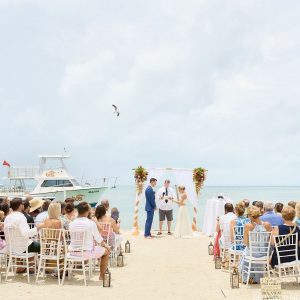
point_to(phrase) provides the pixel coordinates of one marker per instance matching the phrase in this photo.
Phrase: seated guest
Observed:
(6, 210)
(102, 217)
(270, 216)
(54, 221)
(292, 204)
(289, 227)
(254, 203)
(297, 218)
(278, 208)
(92, 236)
(260, 205)
(256, 225)
(247, 203)
(35, 207)
(223, 225)
(240, 221)
(105, 203)
(70, 212)
(26, 210)
(43, 215)
(20, 228)
(116, 216)
(69, 200)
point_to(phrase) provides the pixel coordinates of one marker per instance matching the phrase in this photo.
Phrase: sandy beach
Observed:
(162, 268)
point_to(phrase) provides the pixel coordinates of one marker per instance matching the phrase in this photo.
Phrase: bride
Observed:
(183, 227)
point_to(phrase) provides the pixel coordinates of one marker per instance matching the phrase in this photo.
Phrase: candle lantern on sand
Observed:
(127, 247)
(120, 260)
(218, 262)
(234, 278)
(210, 249)
(107, 279)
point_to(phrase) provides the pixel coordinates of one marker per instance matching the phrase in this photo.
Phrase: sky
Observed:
(205, 83)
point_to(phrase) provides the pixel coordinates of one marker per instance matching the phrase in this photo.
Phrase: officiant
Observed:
(165, 196)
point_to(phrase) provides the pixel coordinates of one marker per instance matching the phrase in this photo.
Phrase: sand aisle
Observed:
(162, 268)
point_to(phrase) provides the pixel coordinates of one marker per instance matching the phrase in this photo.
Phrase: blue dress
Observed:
(254, 276)
(240, 222)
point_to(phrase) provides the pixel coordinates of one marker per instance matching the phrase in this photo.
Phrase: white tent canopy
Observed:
(182, 176)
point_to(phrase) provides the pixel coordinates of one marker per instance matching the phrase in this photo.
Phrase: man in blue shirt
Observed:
(269, 215)
(150, 207)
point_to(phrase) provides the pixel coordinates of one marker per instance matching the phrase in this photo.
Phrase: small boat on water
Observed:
(53, 182)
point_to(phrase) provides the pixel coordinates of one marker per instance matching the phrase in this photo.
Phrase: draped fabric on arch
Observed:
(185, 177)
(155, 173)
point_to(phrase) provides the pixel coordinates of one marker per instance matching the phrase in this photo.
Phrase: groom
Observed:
(150, 207)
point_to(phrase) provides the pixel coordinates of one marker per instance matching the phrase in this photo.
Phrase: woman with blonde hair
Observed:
(54, 212)
(255, 225)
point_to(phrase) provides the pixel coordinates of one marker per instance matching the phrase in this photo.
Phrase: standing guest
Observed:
(70, 213)
(21, 229)
(246, 203)
(289, 227)
(223, 225)
(240, 221)
(297, 218)
(165, 197)
(150, 207)
(278, 208)
(270, 216)
(292, 204)
(43, 215)
(260, 205)
(26, 210)
(92, 236)
(35, 207)
(255, 225)
(54, 220)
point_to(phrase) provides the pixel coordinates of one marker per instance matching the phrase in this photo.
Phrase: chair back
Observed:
(259, 243)
(14, 240)
(74, 241)
(225, 237)
(238, 237)
(51, 242)
(286, 247)
(105, 231)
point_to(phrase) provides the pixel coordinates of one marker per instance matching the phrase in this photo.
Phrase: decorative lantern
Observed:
(218, 262)
(120, 260)
(127, 247)
(210, 249)
(107, 279)
(234, 278)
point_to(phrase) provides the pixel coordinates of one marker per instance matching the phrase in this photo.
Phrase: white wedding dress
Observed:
(183, 228)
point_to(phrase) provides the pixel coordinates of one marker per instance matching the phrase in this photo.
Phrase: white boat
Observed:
(53, 183)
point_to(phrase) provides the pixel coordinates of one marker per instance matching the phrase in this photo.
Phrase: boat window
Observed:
(75, 182)
(57, 183)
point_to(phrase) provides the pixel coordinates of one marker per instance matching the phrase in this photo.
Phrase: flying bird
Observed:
(116, 110)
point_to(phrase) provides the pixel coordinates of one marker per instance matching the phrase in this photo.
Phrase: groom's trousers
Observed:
(149, 221)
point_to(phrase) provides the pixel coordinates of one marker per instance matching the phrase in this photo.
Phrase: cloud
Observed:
(199, 83)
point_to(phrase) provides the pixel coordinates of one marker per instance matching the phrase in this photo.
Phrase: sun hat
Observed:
(35, 204)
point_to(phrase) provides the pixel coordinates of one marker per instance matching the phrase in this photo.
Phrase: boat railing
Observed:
(13, 191)
(110, 182)
(22, 172)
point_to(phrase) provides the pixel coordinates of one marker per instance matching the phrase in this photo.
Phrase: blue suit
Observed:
(150, 207)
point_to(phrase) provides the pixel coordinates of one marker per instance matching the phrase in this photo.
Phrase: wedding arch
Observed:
(192, 179)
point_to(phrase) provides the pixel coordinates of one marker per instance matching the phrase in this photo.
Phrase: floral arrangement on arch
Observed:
(140, 176)
(199, 176)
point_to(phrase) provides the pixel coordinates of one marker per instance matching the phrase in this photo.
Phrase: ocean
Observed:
(123, 197)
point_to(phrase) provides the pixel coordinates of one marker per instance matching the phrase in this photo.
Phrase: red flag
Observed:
(5, 163)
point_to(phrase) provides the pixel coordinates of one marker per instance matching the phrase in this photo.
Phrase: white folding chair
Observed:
(225, 243)
(237, 248)
(16, 260)
(52, 252)
(286, 247)
(110, 239)
(75, 259)
(3, 255)
(257, 262)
